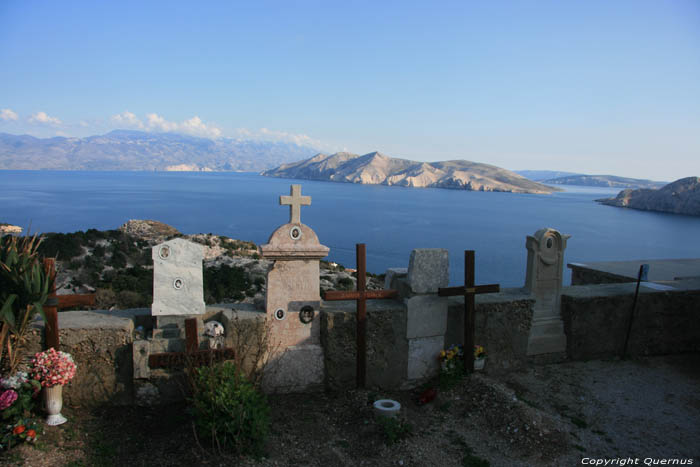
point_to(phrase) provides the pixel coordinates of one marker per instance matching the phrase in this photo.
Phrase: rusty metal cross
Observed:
(55, 302)
(469, 290)
(361, 295)
(295, 201)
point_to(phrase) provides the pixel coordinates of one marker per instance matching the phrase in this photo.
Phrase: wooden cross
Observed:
(55, 302)
(295, 201)
(192, 354)
(361, 295)
(469, 290)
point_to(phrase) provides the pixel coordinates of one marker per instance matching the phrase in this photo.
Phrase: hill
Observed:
(679, 197)
(604, 180)
(377, 169)
(137, 150)
(539, 175)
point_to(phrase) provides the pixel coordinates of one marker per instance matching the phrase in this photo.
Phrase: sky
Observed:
(596, 87)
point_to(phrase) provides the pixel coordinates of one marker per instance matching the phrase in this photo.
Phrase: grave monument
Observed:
(543, 279)
(292, 302)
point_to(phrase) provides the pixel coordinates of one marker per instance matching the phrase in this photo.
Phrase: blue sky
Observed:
(589, 86)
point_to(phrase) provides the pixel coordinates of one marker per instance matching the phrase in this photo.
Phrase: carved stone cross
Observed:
(469, 290)
(295, 201)
(361, 295)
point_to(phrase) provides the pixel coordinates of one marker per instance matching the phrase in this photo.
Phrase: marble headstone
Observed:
(177, 278)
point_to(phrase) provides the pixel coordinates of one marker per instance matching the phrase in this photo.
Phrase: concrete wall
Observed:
(585, 276)
(665, 322)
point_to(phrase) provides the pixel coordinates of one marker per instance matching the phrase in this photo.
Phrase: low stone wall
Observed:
(596, 319)
(100, 344)
(387, 345)
(585, 276)
(502, 326)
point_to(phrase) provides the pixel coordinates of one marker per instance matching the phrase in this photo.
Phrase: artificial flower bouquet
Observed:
(451, 357)
(479, 352)
(52, 367)
(18, 394)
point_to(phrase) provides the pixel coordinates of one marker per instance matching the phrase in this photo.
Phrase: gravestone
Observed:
(177, 278)
(293, 300)
(543, 279)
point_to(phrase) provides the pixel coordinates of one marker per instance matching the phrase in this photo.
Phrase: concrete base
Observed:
(546, 336)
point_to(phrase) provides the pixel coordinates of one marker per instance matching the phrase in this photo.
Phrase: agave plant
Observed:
(24, 287)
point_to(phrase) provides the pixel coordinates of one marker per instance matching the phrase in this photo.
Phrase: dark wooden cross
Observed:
(469, 290)
(55, 302)
(192, 355)
(361, 295)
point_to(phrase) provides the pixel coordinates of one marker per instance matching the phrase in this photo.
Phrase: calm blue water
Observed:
(390, 220)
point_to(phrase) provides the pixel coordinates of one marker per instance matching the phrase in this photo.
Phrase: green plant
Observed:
(228, 410)
(394, 429)
(18, 395)
(24, 287)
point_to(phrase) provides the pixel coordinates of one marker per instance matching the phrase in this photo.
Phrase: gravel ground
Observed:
(546, 415)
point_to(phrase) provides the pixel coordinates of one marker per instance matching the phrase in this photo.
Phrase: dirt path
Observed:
(549, 415)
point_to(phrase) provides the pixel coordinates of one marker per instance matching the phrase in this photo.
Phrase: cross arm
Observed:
(461, 290)
(334, 295)
(68, 301)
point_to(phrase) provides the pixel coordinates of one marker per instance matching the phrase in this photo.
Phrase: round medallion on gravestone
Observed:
(306, 314)
(178, 284)
(280, 314)
(164, 252)
(295, 233)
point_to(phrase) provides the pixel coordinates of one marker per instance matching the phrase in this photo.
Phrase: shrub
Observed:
(228, 410)
(225, 282)
(18, 396)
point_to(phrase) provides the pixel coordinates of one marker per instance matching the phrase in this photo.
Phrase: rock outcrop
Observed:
(377, 169)
(148, 229)
(679, 197)
(605, 181)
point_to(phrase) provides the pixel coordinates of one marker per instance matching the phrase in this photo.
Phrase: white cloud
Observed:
(8, 114)
(43, 118)
(128, 119)
(280, 136)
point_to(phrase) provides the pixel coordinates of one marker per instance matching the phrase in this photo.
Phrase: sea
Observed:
(391, 221)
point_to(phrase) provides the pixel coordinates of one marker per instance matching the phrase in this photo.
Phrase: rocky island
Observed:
(679, 197)
(377, 169)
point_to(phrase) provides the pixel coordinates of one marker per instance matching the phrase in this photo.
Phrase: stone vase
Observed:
(479, 363)
(53, 403)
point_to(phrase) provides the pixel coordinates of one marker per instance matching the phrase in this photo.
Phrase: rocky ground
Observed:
(544, 415)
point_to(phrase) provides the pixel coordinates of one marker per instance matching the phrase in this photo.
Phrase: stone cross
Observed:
(361, 296)
(469, 290)
(295, 201)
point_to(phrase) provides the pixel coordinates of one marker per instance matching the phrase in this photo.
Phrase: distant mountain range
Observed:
(137, 150)
(378, 169)
(679, 197)
(551, 177)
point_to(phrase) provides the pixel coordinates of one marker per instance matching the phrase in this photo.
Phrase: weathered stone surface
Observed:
(177, 278)
(423, 357)
(387, 346)
(544, 277)
(427, 316)
(596, 320)
(502, 326)
(101, 345)
(141, 350)
(428, 270)
(392, 274)
(295, 369)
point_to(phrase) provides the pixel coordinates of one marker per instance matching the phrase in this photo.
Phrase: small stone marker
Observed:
(469, 290)
(361, 296)
(177, 278)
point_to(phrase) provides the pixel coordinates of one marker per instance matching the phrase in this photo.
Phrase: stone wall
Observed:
(101, 347)
(584, 276)
(502, 326)
(665, 322)
(387, 345)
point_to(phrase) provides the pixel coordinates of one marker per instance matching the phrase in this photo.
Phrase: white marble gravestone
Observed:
(177, 278)
(293, 300)
(543, 279)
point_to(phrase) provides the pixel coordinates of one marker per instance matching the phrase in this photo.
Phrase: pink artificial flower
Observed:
(7, 398)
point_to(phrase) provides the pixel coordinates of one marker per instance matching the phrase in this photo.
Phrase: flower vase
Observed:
(479, 363)
(53, 403)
